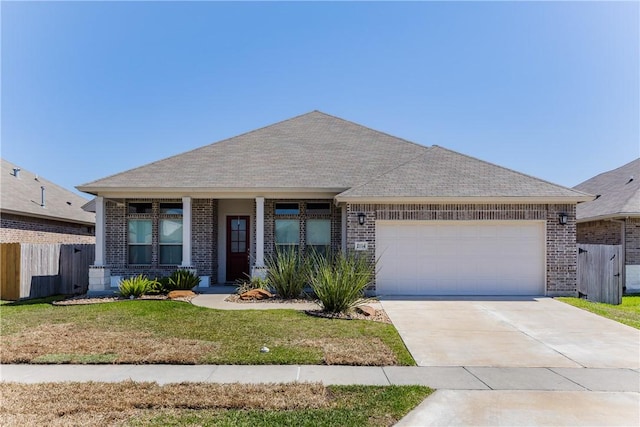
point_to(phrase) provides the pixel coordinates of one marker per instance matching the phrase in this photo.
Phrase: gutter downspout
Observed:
(623, 241)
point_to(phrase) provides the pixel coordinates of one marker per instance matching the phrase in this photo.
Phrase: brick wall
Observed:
(24, 229)
(203, 238)
(204, 234)
(599, 233)
(632, 241)
(561, 255)
(610, 233)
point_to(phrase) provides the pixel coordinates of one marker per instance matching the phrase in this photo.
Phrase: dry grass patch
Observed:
(113, 403)
(70, 343)
(370, 351)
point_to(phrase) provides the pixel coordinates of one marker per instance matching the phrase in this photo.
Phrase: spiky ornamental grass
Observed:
(287, 273)
(339, 281)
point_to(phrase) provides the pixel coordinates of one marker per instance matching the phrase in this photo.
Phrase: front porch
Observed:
(220, 239)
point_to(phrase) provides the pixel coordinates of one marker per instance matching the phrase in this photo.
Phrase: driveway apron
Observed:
(510, 332)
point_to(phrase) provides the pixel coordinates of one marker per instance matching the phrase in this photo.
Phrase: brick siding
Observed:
(599, 233)
(610, 233)
(204, 253)
(632, 241)
(25, 229)
(561, 253)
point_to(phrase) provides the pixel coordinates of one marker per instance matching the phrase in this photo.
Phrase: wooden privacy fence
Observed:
(39, 270)
(600, 272)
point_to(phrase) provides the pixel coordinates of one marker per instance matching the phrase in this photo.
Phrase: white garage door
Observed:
(460, 258)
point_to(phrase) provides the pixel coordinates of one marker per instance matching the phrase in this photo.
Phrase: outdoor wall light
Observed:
(563, 218)
(361, 218)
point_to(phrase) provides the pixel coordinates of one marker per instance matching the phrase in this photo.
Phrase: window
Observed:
(154, 233)
(141, 208)
(170, 208)
(318, 208)
(287, 209)
(287, 234)
(140, 241)
(319, 236)
(170, 239)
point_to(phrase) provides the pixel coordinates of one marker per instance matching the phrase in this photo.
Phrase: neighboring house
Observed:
(439, 222)
(613, 218)
(35, 210)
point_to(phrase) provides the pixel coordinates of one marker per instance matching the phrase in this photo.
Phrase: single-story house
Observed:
(438, 222)
(613, 218)
(35, 210)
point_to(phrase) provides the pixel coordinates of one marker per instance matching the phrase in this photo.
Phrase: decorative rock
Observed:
(366, 310)
(256, 294)
(180, 294)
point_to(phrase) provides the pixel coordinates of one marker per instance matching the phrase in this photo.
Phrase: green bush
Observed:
(182, 280)
(339, 282)
(287, 273)
(135, 286)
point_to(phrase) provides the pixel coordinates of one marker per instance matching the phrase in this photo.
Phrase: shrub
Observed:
(135, 286)
(182, 280)
(339, 282)
(287, 273)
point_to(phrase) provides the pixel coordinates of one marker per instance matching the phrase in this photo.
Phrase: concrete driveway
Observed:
(510, 332)
(543, 362)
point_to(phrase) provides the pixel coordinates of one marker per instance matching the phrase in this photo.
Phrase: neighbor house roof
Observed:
(441, 174)
(22, 195)
(617, 192)
(316, 151)
(311, 151)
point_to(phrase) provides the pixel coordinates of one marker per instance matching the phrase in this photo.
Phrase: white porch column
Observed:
(259, 232)
(186, 232)
(100, 240)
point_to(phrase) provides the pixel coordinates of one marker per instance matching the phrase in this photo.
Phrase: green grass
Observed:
(353, 406)
(628, 312)
(237, 334)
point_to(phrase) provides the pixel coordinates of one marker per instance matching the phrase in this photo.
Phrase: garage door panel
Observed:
(460, 258)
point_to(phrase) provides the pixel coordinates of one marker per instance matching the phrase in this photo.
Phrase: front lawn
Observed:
(141, 331)
(130, 403)
(628, 312)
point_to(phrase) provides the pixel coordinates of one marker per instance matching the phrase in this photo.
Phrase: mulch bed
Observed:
(380, 316)
(84, 299)
(276, 300)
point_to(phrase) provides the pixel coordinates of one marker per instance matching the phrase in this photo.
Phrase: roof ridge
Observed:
(511, 170)
(607, 172)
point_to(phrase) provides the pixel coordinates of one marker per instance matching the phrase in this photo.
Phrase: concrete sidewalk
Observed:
(441, 378)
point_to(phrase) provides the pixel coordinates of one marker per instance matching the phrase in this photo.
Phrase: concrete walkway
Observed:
(217, 301)
(442, 378)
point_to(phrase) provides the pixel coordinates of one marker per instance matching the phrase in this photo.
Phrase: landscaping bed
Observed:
(130, 403)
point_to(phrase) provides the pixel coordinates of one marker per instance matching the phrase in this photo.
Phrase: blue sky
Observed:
(547, 88)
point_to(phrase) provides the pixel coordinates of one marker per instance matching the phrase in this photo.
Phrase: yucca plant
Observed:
(287, 273)
(339, 282)
(135, 286)
(182, 280)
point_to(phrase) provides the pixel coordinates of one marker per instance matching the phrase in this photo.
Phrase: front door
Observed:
(237, 247)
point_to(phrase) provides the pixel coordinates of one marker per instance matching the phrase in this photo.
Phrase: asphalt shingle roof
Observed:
(314, 150)
(22, 195)
(619, 194)
(440, 172)
(319, 151)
